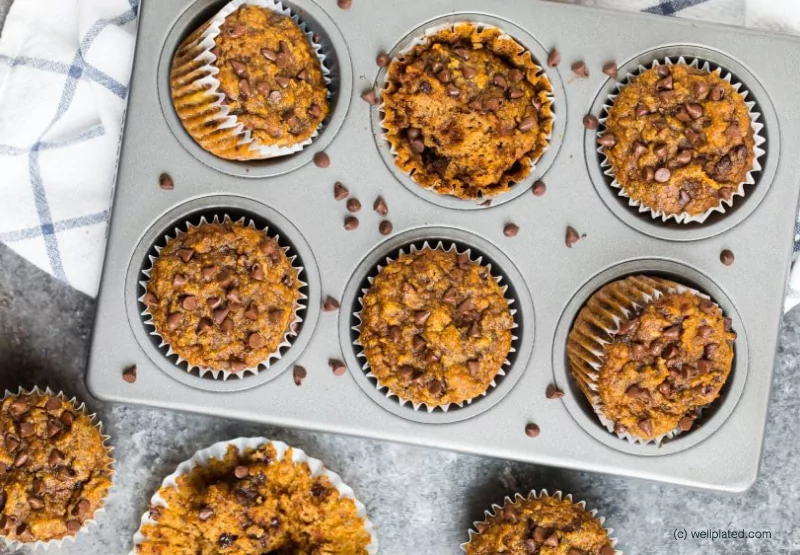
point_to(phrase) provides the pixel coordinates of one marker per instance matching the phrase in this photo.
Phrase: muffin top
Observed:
(546, 526)
(223, 296)
(679, 139)
(467, 112)
(54, 469)
(250, 503)
(435, 327)
(664, 364)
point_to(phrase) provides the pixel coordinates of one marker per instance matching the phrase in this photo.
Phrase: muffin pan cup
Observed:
(550, 281)
(218, 450)
(756, 127)
(56, 544)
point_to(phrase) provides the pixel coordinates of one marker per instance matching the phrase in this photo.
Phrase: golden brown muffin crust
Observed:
(665, 364)
(223, 296)
(545, 526)
(251, 503)
(435, 327)
(679, 139)
(54, 469)
(468, 112)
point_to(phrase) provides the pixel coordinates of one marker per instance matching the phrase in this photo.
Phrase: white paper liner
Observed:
(13, 545)
(492, 513)
(755, 125)
(204, 47)
(424, 38)
(218, 450)
(591, 379)
(361, 354)
(288, 337)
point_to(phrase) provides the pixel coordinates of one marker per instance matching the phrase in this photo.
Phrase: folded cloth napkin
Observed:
(64, 69)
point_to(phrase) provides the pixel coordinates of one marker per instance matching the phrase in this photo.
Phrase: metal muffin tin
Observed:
(549, 281)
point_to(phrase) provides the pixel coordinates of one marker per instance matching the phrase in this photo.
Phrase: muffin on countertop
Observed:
(544, 526)
(679, 139)
(468, 112)
(223, 296)
(250, 503)
(270, 78)
(435, 327)
(55, 470)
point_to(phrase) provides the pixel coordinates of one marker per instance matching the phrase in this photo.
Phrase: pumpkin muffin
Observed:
(659, 367)
(223, 296)
(250, 503)
(270, 80)
(55, 470)
(679, 140)
(435, 327)
(543, 526)
(468, 112)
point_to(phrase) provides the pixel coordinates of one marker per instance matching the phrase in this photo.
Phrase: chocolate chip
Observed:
(275, 96)
(607, 140)
(174, 320)
(418, 145)
(205, 513)
(645, 426)
(666, 97)
(670, 351)
(340, 192)
(350, 223)
(553, 58)
(241, 472)
(639, 149)
(185, 254)
(26, 429)
(726, 257)
(641, 110)
(129, 374)
(665, 84)
(733, 131)
(473, 366)
(53, 403)
(662, 175)
(337, 367)
(580, 69)
(607, 550)
(500, 81)
(725, 193)
(226, 325)
(686, 424)
(683, 115)
(694, 110)
(705, 366)
(236, 365)
(220, 314)
(610, 69)
(492, 104)
(637, 351)
(672, 332)
(20, 460)
(705, 331)
(55, 458)
(662, 70)
(383, 59)
(590, 122)
(369, 97)
(35, 503)
(238, 68)
(684, 156)
(322, 160)
(468, 73)
(330, 304)
(683, 197)
(52, 429)
(67, 418)
(527, 123)
(710, 349)
(435, 387)
(717, 92)
(552, 392)
(299, 374)
(444, 75)
(385, 227)
(571, 237)
(665, 388)
(453, 91)
(539, 188)
(421, 316)
(255, 341)
(511, 230)
(166, 182)
(270, 55)
(693, 136)
(661, 152)
(532, 430)
(353, 205)
(189, 302)
(552, 541)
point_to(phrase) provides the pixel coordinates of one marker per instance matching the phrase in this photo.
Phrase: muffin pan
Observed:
(548, 281)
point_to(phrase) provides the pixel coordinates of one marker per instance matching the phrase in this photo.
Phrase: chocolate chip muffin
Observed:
(679, 140)
(435, 327)
(270, 80)
(468, 112)
(223, 296)
(253, 502)
(543, 526)
(55, 470)
(661, 365)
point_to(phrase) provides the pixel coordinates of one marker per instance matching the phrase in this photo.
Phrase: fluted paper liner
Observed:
(218, 450)
(518, 498)
(613, 304)
(88, 523)
(755, 125)
(288, 337)
(546, 110)
(229, 138)
(361, 354)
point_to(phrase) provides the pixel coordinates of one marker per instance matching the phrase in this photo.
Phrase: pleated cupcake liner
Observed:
(219, 374)
(425, 38)
(534, 495)
(755, 126)
(218, 451)
(202, 64)
(89, 522)
(365, 366)
(586, 354)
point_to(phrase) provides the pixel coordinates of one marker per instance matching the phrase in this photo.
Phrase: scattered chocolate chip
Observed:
(299, 374)
(330, 304)
(662, 175)
(539, 188)
(553, 58)
(350, 223)
(166, 182)
(610, 69)
(572, 237)
(353, 205)
(552, 392)
(532, 430)
(322, 160)
(385, 227)
(129, 374)
(726, 257)
(607, 140)
(580, 69)
(383, 59)
(590, 122)
(340, 192)
(510, 230)
(369, 97)
(337, 367)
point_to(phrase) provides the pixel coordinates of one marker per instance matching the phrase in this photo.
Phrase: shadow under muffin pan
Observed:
(545, 276)
(337, 62)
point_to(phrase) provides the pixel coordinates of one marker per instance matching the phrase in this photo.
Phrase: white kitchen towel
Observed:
(64, 69)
